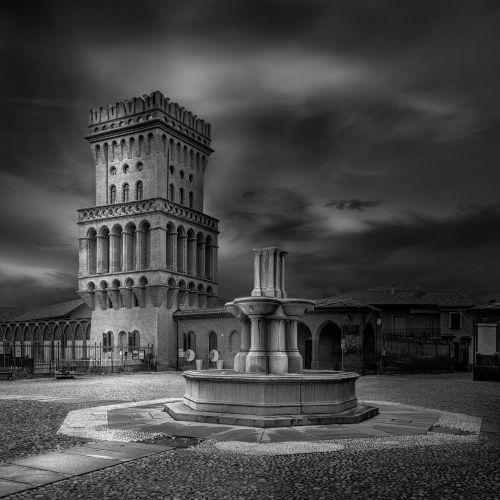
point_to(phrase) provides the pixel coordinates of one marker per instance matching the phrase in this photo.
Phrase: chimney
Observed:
(393, 289)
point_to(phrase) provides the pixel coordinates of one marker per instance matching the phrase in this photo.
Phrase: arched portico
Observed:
(304, 343)
(369, 350)
(329, 350)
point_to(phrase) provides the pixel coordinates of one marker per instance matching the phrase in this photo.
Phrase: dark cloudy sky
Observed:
(361, 136)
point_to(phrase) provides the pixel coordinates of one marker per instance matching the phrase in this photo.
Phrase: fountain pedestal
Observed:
(268, 387)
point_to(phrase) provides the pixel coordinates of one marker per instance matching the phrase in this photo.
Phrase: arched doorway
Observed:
(304, 343)
(369, 351)
(329, 347)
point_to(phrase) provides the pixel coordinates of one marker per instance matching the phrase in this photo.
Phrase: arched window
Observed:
(181, 196)
(123, 149)
(212, 341)
(112, 171)
(208, 258)
(92, 251)
(126, 192)
(125, 169)
(145, 245)
(171, 245)
(190, 341)
(181, 173)
(139, 167)
(115, 250)
(138, 190)
(172, 170)
(191, 252)
(112, 194)
(200, 255)
(107, 341)
(103, 247)
(191, 199)
(172, 192)
(134, 340)
(181, 250)
(130, 244)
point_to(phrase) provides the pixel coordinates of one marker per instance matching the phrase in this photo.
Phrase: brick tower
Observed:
(146, 248)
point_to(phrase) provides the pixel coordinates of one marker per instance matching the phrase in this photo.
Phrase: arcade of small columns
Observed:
(135, 248)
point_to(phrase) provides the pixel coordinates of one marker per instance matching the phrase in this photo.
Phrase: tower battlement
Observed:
(151, 105)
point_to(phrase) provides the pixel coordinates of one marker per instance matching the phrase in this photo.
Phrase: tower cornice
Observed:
(149, 206)
(115, 133)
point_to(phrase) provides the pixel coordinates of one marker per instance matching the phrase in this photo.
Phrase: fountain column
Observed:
(256, 360)
(295, 362)
(240, 358)
(278, 359)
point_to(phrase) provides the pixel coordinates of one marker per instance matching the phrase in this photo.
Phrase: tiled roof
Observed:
(438, 298)
(489, 306)
(7, 313)
(60, 310)
(340, 302)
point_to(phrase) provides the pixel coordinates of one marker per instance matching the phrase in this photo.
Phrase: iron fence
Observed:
(47, 357)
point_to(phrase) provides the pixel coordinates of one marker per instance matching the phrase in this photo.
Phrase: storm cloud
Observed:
(360, 136)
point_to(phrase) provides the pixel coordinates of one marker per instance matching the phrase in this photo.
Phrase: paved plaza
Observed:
(437, 436)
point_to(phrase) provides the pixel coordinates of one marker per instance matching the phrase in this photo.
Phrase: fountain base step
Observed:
(179, 411)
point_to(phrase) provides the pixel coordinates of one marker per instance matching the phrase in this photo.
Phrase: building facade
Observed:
(146, 247)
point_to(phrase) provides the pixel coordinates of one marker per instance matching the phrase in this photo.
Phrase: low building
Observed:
(45, 337)
(338, 334)
(431, 325)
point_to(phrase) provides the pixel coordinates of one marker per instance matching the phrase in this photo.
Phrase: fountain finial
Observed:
(269, 273)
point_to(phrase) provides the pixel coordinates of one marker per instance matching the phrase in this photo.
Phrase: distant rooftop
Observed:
(492, 305)
(416, 297)
(60, 310)
(340, 302)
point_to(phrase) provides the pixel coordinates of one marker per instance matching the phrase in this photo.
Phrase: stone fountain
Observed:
(268, 386)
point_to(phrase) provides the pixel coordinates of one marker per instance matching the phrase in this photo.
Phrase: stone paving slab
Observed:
(241, 434)
(123, 456)
(67, 463)
(22, 474)
(38, 470)
(9, 487)
(391, 421)
(281, 435)
(326, 432)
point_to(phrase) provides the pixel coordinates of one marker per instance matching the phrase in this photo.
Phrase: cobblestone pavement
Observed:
(32, 410)
(466, 471)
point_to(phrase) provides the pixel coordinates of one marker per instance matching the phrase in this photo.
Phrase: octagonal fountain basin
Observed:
(270, 400)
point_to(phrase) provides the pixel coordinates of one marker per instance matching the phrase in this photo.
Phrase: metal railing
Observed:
(47, 357)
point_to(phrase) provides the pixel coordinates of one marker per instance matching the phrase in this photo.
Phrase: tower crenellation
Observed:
(148, 107)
